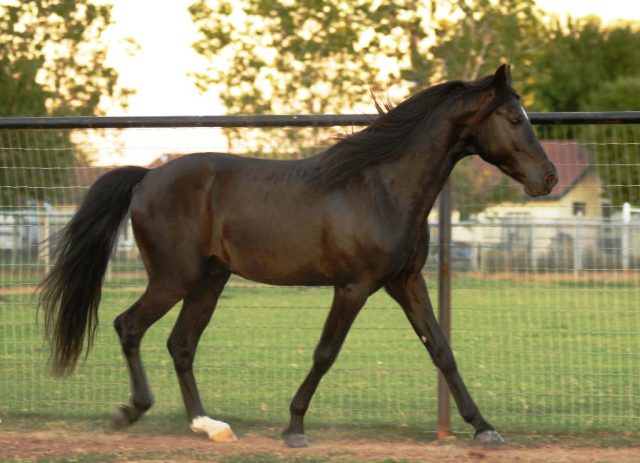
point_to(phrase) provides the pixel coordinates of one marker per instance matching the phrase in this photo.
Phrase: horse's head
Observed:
(502, 135)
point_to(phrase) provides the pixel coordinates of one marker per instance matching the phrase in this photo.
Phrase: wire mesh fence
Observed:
(546, 294)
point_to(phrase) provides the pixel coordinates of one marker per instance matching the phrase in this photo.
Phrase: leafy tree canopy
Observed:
(305, 56)
(484, 34)
(323, 56)
(620, 94)
(582, 57)
(52, 58)
(616, 159)
(52, 62)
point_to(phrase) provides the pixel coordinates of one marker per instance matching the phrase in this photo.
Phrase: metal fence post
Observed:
(444, 301)
(44, 248)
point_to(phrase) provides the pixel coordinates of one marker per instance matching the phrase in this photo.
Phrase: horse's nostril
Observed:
(549, 179)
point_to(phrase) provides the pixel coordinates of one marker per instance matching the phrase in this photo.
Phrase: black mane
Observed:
(390, 133)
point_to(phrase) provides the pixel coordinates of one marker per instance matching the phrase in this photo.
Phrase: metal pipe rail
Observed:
(262, 120)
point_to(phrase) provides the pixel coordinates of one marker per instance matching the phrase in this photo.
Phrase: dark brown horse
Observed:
(353, 217)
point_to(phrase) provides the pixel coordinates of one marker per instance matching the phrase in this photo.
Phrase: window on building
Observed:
(579, 208)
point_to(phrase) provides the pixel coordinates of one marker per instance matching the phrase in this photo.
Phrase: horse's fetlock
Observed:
(143, 405)
(298, 408)
(470, 416)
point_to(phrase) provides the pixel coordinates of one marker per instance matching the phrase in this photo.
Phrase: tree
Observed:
(487, 33)
(51, 63)
(581, 57)
(620, 94)
(616, 159)
(305, 56)
(53, 49)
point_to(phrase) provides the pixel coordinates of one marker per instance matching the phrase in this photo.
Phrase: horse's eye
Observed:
(516, 121)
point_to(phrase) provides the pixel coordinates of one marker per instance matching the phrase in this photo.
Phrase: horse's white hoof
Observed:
(218, 431)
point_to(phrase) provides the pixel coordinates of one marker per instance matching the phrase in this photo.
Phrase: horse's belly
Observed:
(279, 266)
(282, 256)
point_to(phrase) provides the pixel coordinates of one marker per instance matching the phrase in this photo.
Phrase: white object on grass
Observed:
(218, 431)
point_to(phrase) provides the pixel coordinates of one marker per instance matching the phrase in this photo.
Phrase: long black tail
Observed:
(70, 293)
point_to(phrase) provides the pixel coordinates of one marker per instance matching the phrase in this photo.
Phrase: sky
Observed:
(608, 10)
(158, 69)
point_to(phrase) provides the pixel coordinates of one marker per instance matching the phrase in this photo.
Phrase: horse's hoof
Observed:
(490, 437)
(120, 419)
(295, 440)
(218, 431)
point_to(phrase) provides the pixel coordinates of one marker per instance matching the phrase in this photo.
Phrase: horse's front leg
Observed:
(410, 291)
(347, 302)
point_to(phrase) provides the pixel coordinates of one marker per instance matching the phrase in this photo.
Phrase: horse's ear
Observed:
(502, 77)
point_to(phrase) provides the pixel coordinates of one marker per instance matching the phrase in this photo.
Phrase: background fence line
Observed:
(545, 312)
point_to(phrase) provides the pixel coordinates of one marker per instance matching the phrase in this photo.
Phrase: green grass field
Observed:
(543, 356)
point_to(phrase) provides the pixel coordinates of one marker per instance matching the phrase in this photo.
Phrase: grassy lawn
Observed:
(537, 356)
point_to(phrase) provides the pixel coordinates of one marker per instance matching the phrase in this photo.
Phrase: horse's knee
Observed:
(118, 324)
(128, 340)
(444, 360)
(181, 353)
(323, 359)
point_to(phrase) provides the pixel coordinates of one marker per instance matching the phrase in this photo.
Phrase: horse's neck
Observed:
(417, 176)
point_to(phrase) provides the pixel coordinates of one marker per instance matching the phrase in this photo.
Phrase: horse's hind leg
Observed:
(196, 312)
(131, 326)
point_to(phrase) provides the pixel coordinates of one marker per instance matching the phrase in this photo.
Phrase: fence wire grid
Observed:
(546, 294)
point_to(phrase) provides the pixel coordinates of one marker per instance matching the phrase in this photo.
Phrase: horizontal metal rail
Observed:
(303, 120)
